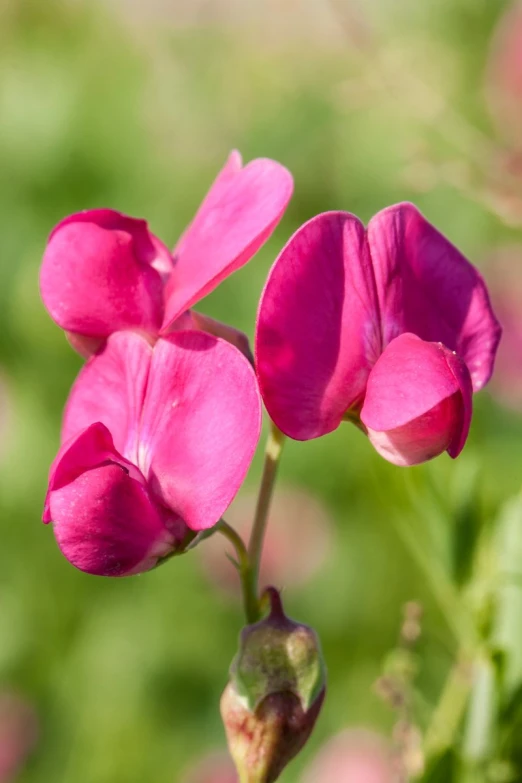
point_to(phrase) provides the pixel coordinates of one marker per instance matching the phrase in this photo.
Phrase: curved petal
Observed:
(241, 210)
(87, 449)
(418, 401)
(106, 524)
(98, 274)
(200, 425)
(110, 389)
(317, 328)
(426, 286)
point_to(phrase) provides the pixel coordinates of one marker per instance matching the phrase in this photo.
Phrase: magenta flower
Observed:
(156, 442)
(103, 271)
(389, 327)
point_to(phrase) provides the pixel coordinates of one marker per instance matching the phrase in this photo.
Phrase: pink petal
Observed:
(200, 426)
(89, 448)
(104, 521)
(98, 274)
(426, 286)
(418, 401)
(241, 210)
(110, 389)
(106, 524)
(317, 328)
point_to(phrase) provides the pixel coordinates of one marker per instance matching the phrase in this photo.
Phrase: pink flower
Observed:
(354, 756)
(389, 327)
(103, 271)
(156, 442)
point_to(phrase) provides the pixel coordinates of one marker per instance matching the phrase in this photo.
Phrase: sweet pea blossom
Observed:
(156, 442)
(104, 271)
(389, 327)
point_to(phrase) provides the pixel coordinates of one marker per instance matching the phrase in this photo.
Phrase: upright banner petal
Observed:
(317, 330)
(426, 286)
(237, 216)
(111, 389)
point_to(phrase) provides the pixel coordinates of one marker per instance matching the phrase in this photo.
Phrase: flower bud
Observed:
(275, 693)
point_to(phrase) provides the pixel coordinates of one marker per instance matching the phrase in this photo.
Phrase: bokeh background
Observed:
(135, 105)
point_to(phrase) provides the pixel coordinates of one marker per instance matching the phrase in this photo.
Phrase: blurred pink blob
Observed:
(214, 768)
(298, 540)
(504, 74)
(18, 734)
(354, 756)
(504, 273)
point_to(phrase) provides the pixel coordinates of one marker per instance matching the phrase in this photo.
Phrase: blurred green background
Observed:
(135, 105)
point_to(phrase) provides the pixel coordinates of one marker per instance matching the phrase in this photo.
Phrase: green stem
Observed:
(449, 712)
(450, 603)
(274, 447)
(250, 601)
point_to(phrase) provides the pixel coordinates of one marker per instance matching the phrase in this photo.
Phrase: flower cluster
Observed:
(388, 327)
(163, 420)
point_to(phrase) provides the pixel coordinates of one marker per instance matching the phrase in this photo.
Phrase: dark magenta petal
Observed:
(200, 425)
(106, 524)
(418, 401)
(318, 327)
(111, 389)
(237, 216)
(101, 272)
(426, 286)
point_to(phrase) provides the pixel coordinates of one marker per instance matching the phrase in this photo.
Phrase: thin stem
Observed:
(250, 600)
(458, 619)
(274, 447)
(449, 712)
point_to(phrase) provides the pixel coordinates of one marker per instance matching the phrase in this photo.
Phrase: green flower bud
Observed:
(276, 689)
